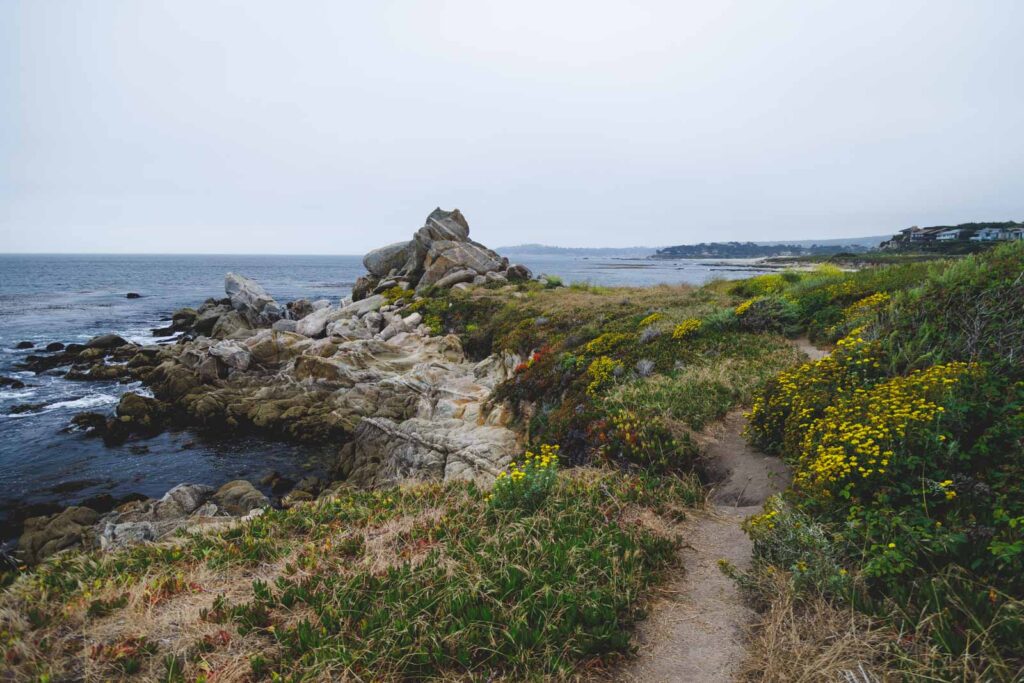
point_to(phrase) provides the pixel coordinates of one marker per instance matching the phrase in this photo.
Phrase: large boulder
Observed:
(383, 260)
(251, 300)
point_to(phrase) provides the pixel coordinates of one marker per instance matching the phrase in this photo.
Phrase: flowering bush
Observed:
(687, 328)
(745, 306)
(526, 485)
(601, 371)
(840, 421)
(535, 357)
(650, 320)
(607, 342)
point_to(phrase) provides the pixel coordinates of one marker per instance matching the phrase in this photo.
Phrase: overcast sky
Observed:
(336, 126)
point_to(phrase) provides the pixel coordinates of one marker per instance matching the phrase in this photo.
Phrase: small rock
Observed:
(24, 345)
(54, 346)
(644, 367)
(133, 295)
(239, 497)
(11, 383)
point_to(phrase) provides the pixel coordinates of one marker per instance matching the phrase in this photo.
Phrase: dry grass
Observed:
(801, 639)
(174, 620)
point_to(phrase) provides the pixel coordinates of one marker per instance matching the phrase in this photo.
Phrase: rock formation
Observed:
(364, 373)
(440, 254)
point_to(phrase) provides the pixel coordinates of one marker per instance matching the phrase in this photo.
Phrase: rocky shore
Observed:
(401, 399)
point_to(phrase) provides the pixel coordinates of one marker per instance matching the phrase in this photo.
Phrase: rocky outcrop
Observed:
(399, 400)
(440, 254)
(44, 536)
(251, 300)
(184, 506)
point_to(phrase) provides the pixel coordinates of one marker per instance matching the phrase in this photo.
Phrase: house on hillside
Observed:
(916, 234)
(990, 235)
(1015, 234)
(949, 235)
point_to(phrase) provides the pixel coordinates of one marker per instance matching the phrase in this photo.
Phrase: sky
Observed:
(309, 127)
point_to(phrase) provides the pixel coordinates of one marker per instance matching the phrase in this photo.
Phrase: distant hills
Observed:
(708, 249)
(545, 250)
(766, 249)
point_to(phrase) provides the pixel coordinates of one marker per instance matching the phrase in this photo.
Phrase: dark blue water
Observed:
(46, 298)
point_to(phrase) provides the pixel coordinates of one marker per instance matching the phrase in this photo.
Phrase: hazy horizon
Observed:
(222, 128)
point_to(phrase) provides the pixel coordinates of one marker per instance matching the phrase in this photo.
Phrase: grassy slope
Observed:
(900, 545)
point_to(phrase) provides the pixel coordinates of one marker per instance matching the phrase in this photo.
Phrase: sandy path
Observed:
(697, 633)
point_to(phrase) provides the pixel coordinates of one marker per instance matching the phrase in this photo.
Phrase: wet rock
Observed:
(54, 346)
(133, 295)
(22, 408)
(11, 383)
(24, 345)
(141, 413)
(182, 500)
(44, 536)
(239, 497)
(105, 341)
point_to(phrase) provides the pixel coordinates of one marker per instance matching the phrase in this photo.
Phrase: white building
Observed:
(947, 235)
(990, 235)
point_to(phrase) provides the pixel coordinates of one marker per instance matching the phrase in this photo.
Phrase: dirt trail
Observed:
(697, 633)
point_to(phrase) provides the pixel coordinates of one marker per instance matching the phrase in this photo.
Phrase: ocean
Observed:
(71, 298)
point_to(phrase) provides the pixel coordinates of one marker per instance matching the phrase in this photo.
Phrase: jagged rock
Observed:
(363, 287)
(239, 497)
(233, 353)
(44, 536)
(271, 348)
(231, 325)
(446, 257)
(251, 300)
(314, 324)
(11, 383)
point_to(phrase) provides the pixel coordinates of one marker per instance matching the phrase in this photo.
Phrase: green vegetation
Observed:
(907, 452)
(419, 582)
(898, 546)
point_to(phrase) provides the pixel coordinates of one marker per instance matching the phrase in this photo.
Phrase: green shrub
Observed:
(526, 485)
